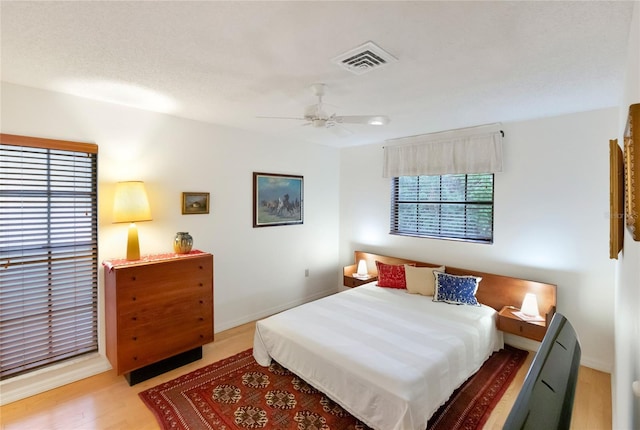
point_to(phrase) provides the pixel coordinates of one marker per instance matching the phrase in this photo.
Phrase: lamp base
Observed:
(133, 245)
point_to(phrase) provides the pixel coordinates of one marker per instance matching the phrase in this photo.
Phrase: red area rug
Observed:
(238, 393)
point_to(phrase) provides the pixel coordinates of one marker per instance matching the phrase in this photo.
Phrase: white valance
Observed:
(468, 150)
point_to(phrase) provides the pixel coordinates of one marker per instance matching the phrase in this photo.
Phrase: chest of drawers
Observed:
(157, 309)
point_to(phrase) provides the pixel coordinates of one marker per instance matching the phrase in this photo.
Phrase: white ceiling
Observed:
(459, 63)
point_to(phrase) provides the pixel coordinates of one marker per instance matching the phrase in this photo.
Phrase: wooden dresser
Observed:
(159, 312)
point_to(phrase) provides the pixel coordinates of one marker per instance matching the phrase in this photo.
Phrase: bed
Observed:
(389, 357)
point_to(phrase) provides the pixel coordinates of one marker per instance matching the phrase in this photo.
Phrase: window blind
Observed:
(48, 252)
(448, 206)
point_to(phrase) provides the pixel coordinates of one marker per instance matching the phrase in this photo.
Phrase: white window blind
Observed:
(456, 207)
(48, 252)
(469, 150)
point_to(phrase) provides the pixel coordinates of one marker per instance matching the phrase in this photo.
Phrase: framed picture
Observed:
(277, 199)
(195, 203)
(631, 165)
(616, 199)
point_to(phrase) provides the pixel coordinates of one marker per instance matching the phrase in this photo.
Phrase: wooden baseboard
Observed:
(39, 381)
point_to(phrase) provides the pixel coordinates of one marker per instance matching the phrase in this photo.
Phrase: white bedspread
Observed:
(388, 357)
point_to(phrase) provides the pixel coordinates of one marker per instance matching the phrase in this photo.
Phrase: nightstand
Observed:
(510, 323)
(352, 281)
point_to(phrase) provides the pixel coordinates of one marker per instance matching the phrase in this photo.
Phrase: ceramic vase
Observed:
(182, 243)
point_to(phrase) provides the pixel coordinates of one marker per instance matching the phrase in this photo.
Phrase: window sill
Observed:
(41, 380)
(454, 239)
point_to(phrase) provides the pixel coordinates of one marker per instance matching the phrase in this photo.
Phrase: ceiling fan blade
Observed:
(340, 131)
(363, 119)
(282, 117)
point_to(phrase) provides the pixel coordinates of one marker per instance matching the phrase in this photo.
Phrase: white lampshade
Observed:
(131, 204)
(362, 268)
(530, 305)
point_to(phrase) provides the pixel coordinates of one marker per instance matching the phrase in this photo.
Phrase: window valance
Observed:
(468, 150)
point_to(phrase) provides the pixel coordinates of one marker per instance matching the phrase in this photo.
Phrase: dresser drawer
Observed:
(151, 312)
(134, 298)
(174, 278)
(144, 346)
(521, 328)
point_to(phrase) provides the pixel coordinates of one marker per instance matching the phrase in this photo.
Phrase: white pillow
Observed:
(420, 280)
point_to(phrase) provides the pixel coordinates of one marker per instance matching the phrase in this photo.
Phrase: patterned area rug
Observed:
(237, 393)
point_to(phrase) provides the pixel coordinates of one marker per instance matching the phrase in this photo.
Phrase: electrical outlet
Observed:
(306, 273)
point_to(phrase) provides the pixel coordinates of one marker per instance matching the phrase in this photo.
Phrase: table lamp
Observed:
(361, 272)
(131, 205)
(530, 305)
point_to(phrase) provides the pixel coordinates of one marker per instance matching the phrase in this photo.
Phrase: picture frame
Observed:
(195, 203)
(616, 199)
(631, 164)
(278, 199)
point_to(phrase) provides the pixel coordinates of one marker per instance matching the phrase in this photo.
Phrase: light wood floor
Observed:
(107, 402)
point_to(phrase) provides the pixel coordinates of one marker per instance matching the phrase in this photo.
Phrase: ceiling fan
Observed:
(317, 117)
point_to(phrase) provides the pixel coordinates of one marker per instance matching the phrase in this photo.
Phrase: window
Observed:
(458, 206)
(48, 252)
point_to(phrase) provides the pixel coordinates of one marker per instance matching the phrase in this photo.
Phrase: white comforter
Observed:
(388, 357)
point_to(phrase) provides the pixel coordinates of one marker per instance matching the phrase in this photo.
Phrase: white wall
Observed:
(551, 219)
(258, 271)
(626, 407)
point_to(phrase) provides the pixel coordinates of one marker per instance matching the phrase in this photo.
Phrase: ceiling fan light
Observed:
(378, 120)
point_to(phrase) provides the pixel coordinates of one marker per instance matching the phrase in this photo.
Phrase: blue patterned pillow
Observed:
(459, 290)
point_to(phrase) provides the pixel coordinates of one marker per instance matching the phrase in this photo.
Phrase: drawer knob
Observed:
(134, 338)
(201, 319)
(201, 284)
(133, 298)
(135, 318)
(133, 278)
(201, 302)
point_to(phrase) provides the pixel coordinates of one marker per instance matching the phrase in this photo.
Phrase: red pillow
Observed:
(391, 276)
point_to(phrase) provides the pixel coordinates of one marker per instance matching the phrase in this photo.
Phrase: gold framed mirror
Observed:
(631, 164)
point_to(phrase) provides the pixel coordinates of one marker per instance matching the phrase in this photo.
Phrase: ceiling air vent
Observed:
(364, 58)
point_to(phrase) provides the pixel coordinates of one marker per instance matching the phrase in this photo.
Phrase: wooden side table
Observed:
(510, 323)
(352, 281)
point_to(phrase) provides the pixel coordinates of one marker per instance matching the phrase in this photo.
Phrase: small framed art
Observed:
(277, 199)
(195, 203)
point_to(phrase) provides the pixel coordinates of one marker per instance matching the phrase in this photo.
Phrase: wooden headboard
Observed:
(496, 291)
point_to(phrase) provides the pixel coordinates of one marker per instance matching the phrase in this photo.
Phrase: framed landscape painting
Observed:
(195, 203)
(277, 199)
